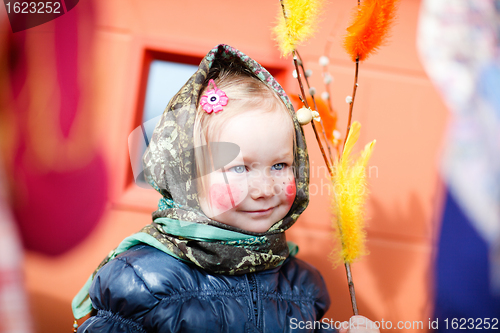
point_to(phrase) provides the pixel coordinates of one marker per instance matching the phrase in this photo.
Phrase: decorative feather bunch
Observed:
(350, 193)
(370, 28)
(297, 22)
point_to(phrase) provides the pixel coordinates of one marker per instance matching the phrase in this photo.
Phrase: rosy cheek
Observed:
(290, 192)
(224, 196)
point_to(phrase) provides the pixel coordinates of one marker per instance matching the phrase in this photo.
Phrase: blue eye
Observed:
(279, 166)
(238, 169)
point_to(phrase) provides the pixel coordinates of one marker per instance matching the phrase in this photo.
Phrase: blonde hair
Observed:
(245, 92)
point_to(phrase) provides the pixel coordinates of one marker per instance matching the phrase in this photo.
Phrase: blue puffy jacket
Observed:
(147, 290)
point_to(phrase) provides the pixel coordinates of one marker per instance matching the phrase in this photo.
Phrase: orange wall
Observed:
(396, 105)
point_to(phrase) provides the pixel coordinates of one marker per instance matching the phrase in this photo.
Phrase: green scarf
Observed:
(179, 227)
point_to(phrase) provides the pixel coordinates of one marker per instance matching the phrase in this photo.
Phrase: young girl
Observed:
(230, 160)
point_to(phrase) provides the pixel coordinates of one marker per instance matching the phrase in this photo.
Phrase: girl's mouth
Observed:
(260, 213)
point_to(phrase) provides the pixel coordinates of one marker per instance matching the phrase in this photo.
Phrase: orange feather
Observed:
(370, 27)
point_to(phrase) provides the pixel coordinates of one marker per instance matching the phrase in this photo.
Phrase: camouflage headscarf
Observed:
(168, 168)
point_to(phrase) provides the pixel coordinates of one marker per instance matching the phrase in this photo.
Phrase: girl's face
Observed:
(257, 188)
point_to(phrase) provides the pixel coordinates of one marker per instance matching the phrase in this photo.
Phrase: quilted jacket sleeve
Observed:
(322, 305)
(110, 323)
(121, 297)
(312, 278)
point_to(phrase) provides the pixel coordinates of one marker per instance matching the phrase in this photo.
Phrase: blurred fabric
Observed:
(14, 309)
(57, 178)
(459, 43)
(462, 270)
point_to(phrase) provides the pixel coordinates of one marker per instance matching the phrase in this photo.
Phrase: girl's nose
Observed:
(261, 187)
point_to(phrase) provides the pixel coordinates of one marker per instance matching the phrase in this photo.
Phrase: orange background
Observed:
(396, 105)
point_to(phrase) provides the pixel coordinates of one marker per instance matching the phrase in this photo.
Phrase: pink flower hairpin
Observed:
(214, 99)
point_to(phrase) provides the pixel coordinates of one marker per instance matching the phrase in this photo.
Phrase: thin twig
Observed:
(328, 166)
(350, 281)
(315, 107)
(284, 10)
(330, 170)
(351, 289)
(351, 105)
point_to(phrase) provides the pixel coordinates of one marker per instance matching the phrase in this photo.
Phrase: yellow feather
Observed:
(352, 138)
(349, 196)
(299, 24)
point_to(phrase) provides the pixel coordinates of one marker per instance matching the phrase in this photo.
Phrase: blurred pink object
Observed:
(57, 175)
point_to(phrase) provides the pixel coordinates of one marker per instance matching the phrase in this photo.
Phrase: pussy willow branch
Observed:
(315, 107)
(350, 282)
(327, 162)
(330, 170)
(305, 97)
